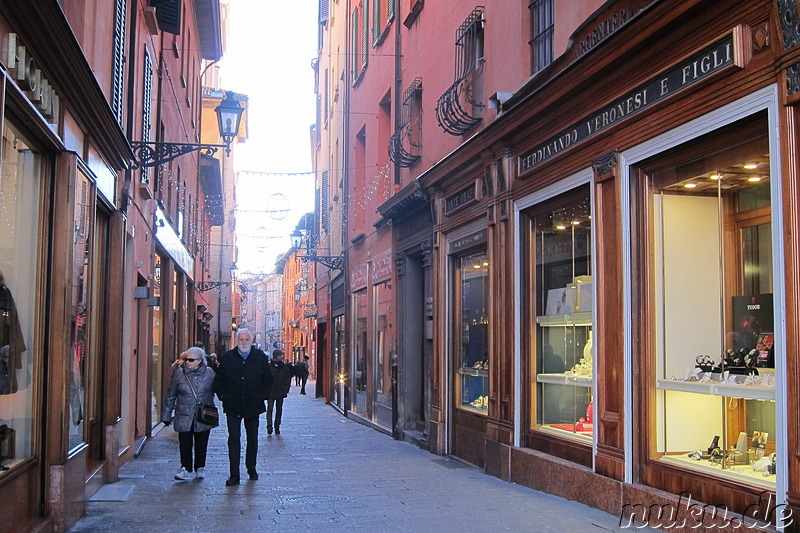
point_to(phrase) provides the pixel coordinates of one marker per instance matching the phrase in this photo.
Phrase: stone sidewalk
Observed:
(325, 472)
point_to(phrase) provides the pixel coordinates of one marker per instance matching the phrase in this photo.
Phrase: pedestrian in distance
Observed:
(301, 371)
(192, 383)
(281, 383)
(212, 362)
(242, 383)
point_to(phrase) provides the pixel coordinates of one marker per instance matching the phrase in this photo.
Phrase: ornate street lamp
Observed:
(204, 286)
(333, 262)
(229, 117)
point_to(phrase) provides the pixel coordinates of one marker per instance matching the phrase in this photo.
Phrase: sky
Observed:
(268, 58)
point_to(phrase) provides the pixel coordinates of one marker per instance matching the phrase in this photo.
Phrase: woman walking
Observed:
(191, 384)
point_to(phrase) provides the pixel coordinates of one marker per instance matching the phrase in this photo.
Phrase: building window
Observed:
(405, 145)
(561, 274)
(705, 297)
(541, 34)
(19, 341)
(460, 108)
(472, 343)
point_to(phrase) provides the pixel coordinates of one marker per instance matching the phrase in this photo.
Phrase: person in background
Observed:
(181, 398)
(212, 362)
(301, 371)
(242, 383)
(281, 383)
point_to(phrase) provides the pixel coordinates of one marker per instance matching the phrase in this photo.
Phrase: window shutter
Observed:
(319, 122)
(324, 208)
(354, 52)
(168, 14)
(147, 93)
(364, 33)
(327, 92)
(117, 87)
(389, 11)
(323, 11)
(376, 20)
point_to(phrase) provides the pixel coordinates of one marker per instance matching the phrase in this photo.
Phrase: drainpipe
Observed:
(348, 71)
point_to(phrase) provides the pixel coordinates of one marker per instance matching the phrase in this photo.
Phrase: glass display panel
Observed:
(563, 362)
(382, 411)
(472, 307)
(339, 369)
(712, 311)
(19, 226)
(360, 353)
(155, 400)
(82, 275)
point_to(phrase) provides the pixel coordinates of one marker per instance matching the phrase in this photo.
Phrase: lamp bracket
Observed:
(334, 262)
(151, 154)
(204, 286)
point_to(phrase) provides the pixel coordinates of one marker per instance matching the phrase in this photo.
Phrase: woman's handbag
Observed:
(206, 413)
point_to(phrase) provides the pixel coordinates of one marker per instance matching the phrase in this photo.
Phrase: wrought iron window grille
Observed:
(461, 106)
(405, 145)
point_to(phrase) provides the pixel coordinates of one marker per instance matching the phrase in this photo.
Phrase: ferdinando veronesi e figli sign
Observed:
(711, 60)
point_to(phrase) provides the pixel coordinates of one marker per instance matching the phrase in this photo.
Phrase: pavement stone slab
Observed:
(327, 472)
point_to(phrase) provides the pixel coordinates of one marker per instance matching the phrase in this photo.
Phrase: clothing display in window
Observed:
(12, 341)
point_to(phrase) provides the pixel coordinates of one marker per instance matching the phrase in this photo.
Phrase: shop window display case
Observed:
(710, 314)
(564, 361)
(472, 295)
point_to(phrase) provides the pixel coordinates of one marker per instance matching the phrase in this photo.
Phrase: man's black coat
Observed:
(243, 384)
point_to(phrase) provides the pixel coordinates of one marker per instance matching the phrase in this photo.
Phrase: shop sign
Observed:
(712, 60)
(464, 197)
(28, 77)
(358, 277)
(605, 29)
(172, 243)
(468, 242)
(382, 267)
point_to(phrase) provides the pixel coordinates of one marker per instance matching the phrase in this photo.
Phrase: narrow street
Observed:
(326, 473)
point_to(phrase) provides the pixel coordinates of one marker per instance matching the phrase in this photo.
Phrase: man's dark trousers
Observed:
(235, 443)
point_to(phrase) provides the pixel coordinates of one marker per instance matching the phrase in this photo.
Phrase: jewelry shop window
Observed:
(705, 214)
(472, 352)
(19, 251)
(562, 361)
(360, 353)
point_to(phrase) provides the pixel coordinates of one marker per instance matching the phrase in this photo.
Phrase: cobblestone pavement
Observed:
(325, 472)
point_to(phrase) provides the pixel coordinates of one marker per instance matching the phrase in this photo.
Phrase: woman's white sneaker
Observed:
(200, 473)
(183, 475)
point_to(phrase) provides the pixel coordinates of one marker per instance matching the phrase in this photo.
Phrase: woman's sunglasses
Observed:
(191, 360)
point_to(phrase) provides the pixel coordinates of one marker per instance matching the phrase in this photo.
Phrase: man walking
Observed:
(243, 383)
(281, 382)
(301, 371)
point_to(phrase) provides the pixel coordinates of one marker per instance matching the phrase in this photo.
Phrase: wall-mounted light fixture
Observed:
(204, 286)
(334, 262)
(229, 117)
